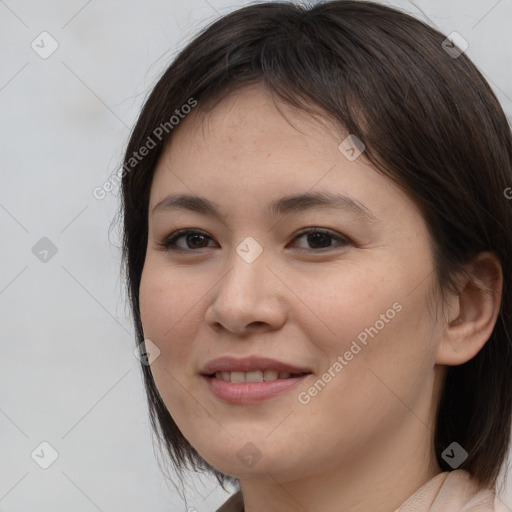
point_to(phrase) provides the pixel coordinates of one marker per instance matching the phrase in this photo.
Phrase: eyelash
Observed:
(169, 243)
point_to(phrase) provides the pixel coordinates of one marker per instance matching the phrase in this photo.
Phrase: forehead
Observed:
(248, 150)
(251, 119)
(247, 135)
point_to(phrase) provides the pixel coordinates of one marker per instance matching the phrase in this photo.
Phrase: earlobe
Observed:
(472, 322)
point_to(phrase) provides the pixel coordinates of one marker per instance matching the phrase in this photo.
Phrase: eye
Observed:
(193, 239)
(321, 237)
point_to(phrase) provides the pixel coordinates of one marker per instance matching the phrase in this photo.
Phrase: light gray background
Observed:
(67, 372)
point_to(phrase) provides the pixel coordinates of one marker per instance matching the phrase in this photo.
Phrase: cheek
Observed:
(152, 303)
(384, 367)
(373, 319)
(343, 303)
(166, 306)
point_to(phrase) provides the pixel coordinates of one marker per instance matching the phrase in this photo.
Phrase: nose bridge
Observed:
(247, 269)
(245, 294)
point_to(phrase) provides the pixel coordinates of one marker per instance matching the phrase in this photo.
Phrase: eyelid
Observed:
(344, 240)
(167, 243)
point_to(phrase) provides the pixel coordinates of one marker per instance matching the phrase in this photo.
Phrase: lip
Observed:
(250, 364)
(250, 392)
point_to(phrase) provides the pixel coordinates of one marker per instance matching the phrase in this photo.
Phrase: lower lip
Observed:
(250, 392)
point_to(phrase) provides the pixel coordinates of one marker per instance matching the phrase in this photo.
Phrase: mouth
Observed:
(255, 376)
(251, 379)
(244, 393)
(252, 367)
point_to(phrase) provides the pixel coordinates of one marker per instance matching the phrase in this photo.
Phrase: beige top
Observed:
(450, 491)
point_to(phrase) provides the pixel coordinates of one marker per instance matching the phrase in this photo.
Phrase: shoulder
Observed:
(234, 504)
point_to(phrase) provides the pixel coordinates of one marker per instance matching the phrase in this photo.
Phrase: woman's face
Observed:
(347, 303)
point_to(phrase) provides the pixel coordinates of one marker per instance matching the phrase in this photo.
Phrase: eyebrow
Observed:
(279, 207)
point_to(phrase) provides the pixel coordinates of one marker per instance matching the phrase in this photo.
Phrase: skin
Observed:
(365, 441)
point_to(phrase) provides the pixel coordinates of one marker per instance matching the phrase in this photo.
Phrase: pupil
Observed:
(195, 236)
(314, 238)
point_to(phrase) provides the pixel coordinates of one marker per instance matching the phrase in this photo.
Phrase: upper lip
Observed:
(249, 364)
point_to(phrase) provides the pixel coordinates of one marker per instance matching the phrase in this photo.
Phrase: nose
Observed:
(249, 296)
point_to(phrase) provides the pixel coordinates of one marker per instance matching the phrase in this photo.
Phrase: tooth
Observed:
(237, 377)
(270, 375)
(256, 376)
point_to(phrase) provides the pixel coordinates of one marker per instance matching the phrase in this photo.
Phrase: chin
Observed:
(250, 462)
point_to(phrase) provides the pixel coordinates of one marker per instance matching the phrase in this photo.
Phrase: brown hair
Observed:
(429, 121)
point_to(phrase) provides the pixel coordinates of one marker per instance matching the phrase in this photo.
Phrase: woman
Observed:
(316, 234)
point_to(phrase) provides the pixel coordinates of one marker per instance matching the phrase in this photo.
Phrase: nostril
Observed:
(257, 324)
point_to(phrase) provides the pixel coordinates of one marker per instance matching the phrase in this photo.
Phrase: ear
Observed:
(473, 312)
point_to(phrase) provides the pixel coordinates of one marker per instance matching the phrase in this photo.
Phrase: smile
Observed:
(254, 376)
(247, 392)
